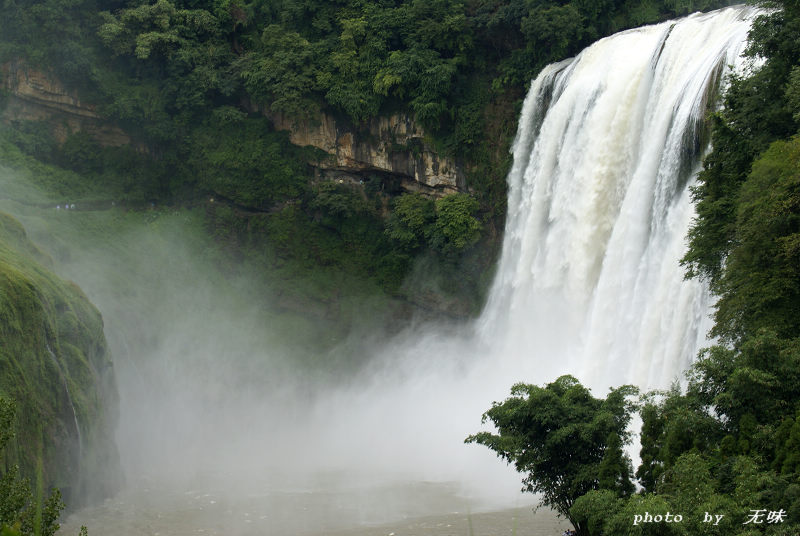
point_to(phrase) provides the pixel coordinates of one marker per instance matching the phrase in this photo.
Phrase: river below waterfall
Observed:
(415, 508)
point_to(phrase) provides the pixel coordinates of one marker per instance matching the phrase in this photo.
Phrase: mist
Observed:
(235, 398)
(230, 404)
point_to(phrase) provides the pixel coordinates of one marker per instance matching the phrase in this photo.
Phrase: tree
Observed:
(456, 227)
(281, 73)
(20, 513)
(409, 225)
(760, 286)
(566, 441)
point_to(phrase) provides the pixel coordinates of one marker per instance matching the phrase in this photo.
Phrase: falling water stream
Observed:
(599, 204)
(589, 283)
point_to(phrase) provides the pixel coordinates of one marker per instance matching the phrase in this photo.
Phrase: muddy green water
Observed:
(431, 509)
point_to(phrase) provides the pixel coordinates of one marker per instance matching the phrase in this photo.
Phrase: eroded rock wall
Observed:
(34, 95)
(389, 144)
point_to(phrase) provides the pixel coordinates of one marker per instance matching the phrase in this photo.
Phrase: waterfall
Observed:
(609, 142)
(68, 397)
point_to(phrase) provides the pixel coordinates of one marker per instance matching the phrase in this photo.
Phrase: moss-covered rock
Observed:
(55, 364)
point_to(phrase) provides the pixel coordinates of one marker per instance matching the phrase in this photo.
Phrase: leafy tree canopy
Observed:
(565, 441)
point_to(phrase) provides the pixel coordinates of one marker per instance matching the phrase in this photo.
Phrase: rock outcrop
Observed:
(392, 145)
(36, 96)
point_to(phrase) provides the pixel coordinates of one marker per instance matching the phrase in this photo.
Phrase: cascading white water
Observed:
(599, 205)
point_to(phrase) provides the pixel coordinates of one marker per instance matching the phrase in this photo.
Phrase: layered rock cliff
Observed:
(34, 95)
(393, 145)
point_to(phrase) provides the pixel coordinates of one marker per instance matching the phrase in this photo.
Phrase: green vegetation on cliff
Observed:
(55, 366)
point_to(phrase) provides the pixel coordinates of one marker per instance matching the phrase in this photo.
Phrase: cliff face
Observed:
(55, 365)
(392, 145)
(36, 96)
